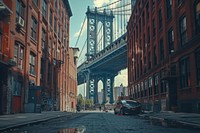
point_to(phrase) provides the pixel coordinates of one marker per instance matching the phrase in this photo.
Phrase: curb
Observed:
(33, 122)
(170, 122)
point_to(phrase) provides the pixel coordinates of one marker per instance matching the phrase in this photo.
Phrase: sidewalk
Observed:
(168, 118)
(22, 119)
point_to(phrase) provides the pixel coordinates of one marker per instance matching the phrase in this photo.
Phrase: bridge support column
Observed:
(111, 89)
(96, 100)
(104, 89)
(87, 85)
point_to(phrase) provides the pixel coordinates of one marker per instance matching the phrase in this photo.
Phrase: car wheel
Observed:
(122, 112)
(115, 112)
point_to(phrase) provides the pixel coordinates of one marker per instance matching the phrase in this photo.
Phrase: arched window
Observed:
(197, 16)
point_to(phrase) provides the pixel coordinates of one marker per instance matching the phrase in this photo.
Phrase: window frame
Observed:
(185, 80)
(150, 86)
(33, 28)
(183, 29)
(43, 39)
(169, 9)
(197, 20)
(44, 8)
(171, 40)
(156, 83)
(197, 55)
(32, 63)
(19, 55)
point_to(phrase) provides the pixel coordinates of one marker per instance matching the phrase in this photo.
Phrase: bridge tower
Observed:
(95, 17)
(97, 21)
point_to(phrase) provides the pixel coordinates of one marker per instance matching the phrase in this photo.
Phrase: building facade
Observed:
(38, 49)
(163, 44)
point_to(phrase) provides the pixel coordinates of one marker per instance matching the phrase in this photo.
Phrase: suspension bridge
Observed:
(105, 51)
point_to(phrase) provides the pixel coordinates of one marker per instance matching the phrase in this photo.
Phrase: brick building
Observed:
(36, 54)
(164, 54)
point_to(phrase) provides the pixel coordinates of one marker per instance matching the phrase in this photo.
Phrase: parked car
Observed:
(127, 107)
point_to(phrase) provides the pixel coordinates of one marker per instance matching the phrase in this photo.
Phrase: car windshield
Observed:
(131, 103)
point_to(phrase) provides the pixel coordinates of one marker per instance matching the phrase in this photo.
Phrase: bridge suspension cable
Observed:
(83, 48)
(80, 31)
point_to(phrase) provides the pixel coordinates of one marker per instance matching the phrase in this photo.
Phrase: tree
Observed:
(88, 103)
(80, 101)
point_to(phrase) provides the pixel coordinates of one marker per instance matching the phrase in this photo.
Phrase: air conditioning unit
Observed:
(20, 21)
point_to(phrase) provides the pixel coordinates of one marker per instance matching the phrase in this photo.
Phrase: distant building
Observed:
(120, 91)
(100, 96)
(163, 42)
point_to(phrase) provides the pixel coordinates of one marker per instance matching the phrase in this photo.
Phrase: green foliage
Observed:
(81, 102)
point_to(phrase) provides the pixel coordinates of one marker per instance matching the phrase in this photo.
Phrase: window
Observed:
(135, 91)
(198, 66)
(51, 18)
(145, 88)
(19, 55)
(148, 39)
(154, 28)
(171, 40)
(147, 11)
(20, 8)
(17, 87)
(160, 18)
(58, 52)
(136, 32)
(142, 89)
(33, 28)
(43, 38)
(0, 42)
(36, 2)
(183, 30)
(149, 59)
(44, 8)
(42, 68)
(55, 24)
(59, 31)
(161, 50)
(180, 2)
(143, 19)
(155, 55)
(138, 92)
(184, 73)
(197, 17)
(49, 72)
(49, 46)
(145, 64)
(169, 8)
(156, 84)
(32, 63)
(150, 86)
(153, 4)
(164, 86)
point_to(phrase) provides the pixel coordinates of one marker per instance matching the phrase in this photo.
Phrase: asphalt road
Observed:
(99, 122)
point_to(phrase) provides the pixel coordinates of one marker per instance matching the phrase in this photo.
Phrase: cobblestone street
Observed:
(99, 122)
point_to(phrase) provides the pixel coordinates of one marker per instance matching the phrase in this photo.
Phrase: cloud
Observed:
(99, 3)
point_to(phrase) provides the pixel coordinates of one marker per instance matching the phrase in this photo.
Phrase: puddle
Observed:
(81, 129)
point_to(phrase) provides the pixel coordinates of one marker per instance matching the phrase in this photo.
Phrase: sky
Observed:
(79, 8)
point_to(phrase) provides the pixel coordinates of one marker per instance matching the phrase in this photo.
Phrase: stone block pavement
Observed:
(168, 118)
(22, 119)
